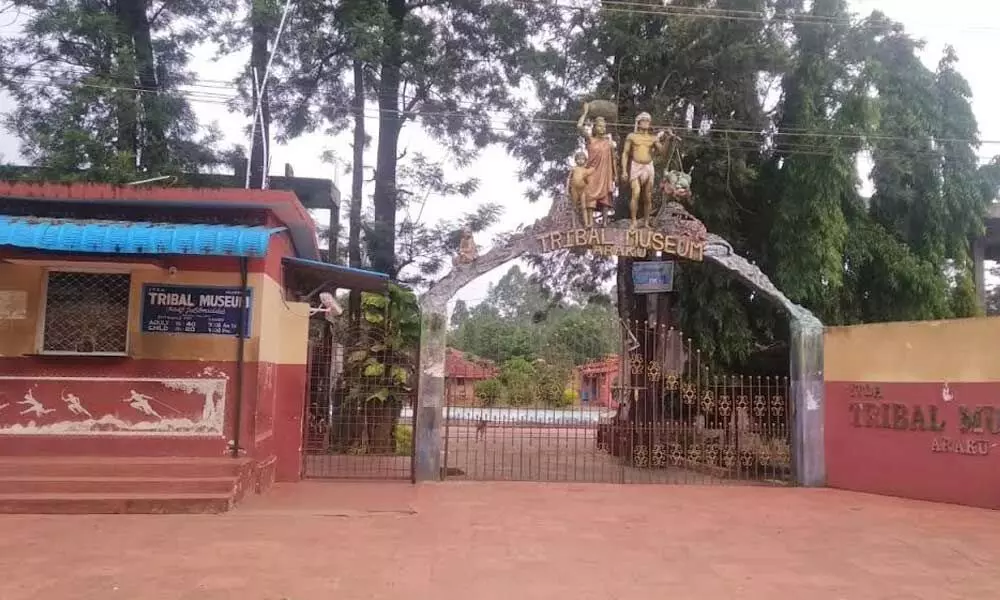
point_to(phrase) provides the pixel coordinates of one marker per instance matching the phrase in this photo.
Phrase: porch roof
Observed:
(92, 236)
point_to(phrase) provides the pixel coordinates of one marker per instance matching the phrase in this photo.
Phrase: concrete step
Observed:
(78, 503)
(99, 466)
(116, 485)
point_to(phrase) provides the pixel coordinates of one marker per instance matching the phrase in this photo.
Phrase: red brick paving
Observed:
(511, 541)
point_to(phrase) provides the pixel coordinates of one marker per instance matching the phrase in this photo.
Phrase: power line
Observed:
(373, 113)
(723, 14)
(722, 126)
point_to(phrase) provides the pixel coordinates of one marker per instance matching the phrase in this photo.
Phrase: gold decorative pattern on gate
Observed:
(638, 364)
(659, 455)
(708, 401)
(640, 456)
(689, 394)
(653, 370)
(672, 380)
(725, 405)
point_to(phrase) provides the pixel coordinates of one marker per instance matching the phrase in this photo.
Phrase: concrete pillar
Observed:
(808, 451)
(979, 270)
(430, 395)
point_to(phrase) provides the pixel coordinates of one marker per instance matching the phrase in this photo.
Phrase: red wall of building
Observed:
(162, 367)
(913, 410)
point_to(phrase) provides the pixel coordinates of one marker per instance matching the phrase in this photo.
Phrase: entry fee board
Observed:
(197, 310)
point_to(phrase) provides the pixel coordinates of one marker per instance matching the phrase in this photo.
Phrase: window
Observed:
(86, 313)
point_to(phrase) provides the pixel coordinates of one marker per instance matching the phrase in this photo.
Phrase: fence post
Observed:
(806, 357)
(430, 394)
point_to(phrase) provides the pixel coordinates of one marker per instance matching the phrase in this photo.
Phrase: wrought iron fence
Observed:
(647, 411)
(360, 401)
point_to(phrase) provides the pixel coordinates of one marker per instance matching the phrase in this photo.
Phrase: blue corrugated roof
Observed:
(128, 237)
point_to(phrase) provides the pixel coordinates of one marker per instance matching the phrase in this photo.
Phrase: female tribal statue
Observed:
(600, 188)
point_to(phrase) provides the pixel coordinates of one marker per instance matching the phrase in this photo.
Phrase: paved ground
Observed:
(523, 541)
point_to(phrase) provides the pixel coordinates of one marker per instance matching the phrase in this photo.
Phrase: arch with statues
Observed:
(582, 220)
(671, 232)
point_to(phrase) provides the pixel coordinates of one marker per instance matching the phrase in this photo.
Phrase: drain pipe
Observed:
(241, 343)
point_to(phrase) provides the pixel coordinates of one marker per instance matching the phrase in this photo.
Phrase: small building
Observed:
(462, 372)
(595, 381)
(156, 333)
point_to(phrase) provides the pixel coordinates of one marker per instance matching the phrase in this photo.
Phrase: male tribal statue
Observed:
(637, 165)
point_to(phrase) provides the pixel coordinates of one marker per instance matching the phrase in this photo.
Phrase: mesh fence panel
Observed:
(86, 312)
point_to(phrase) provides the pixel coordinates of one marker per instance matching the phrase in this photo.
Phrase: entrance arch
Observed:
(672, 231)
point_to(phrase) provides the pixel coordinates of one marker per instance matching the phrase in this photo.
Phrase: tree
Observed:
(443, 64)
(459, 314)
(379, 371)
(516, 320)
(97, 88)
(515, 297)
(779, 182)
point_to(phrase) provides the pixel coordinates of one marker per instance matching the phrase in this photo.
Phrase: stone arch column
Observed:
(805, 347)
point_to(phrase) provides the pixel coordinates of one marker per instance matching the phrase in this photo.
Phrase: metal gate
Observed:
(359, 417)
(652, 412)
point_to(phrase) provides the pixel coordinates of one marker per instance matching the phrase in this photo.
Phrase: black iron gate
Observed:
(651, 412)
(360, 397)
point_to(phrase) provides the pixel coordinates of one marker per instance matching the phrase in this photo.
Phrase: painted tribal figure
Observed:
(637, 165)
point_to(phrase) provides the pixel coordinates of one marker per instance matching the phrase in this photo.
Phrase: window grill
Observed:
(86, 313)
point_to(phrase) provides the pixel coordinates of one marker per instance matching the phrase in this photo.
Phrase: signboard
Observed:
(202, 310)
(653, 277)
(617, 241)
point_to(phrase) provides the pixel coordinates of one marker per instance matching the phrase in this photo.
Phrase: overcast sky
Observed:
(971, 26)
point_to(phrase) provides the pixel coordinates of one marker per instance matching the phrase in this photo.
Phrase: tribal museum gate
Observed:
(359, 405)
(588, 410)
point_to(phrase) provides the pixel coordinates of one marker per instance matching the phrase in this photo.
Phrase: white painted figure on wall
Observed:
(34, 406)
(140, 402)
(73, 404)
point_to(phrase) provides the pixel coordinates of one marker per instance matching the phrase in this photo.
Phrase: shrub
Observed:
(489, 391)
(569, 397)
(404, 440)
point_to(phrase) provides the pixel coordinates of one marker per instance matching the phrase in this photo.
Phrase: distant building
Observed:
(462, 372)
(595, 380)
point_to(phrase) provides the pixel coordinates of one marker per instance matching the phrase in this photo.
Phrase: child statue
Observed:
(577, 189)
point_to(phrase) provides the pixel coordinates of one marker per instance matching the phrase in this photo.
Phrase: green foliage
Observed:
(786, 198)
(518, 320)
(519, 380)
(524, 383)
(381, 360)
(422, 63)
(97, 88)
(403, 435)
(489, 392)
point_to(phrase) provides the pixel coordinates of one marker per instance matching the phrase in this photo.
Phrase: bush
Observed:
(518, 377)
(404, 440)
(489, 391)
(569, 398)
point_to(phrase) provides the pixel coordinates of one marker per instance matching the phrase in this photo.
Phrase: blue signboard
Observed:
(204, 310)
(653, 277)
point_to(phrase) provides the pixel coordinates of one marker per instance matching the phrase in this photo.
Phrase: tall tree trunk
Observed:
(126, 100)
(383, 242)
(258, 63)
(357, 188)
(153, 145)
